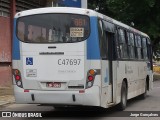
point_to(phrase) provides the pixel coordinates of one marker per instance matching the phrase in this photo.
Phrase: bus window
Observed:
(30, 32)
(150, 53)
(44, 33)
(117, 48)
(122, 43)
(130, 38)
(144, 48)
(138, 46)
(149, 49)
(50, 35)
(73, 28)
(103, 41)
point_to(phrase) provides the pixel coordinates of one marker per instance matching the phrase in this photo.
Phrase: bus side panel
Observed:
(135, 74)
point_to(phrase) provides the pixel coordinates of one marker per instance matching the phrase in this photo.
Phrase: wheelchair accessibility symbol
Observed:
(29, 61)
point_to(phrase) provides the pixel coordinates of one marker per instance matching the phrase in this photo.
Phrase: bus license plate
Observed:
(54, 85)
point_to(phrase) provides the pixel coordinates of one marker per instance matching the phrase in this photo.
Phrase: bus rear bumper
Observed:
(91, 97)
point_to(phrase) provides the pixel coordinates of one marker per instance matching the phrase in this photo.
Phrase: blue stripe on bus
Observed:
(16, 47)
(93, 50)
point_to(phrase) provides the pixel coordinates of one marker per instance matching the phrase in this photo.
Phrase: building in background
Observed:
(67, 3)
(8, 9)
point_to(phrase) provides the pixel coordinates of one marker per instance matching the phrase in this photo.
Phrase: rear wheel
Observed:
(59, 107)
(123, 103)
(65, 107)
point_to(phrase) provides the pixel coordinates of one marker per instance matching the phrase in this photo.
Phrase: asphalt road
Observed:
(135, 106)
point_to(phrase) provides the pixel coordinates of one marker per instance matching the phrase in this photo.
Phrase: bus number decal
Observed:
(69, 61)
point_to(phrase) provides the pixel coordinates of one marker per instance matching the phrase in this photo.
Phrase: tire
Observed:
(123, 103)
(59, 108)
(64, 108)
(143, 96)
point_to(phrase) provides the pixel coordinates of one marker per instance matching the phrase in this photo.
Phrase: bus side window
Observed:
(102, 40)
(122, 43)
(131, 45)
(138, 46)
(117, 48)
(150, 53)
(149, 49)
(144, 48)
(135, 48)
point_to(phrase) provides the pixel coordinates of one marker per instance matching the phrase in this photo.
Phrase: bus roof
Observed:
(56, 10)
(74, 10)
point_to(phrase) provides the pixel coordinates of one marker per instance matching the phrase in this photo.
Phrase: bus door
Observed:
(107, 56)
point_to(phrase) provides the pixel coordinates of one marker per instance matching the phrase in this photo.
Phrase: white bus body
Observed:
(73, 73)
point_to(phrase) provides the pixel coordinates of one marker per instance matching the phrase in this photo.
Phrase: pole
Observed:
(84, 4)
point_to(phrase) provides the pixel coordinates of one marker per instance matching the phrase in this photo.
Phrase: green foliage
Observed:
(92, 4)
(145, 14)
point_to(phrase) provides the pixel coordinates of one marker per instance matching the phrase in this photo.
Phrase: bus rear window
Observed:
(53, 28)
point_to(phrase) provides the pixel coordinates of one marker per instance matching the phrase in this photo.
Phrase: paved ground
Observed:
(151, 103)
(6, 100)
(5, 76)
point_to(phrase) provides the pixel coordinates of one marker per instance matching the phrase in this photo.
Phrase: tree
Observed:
(100, 6)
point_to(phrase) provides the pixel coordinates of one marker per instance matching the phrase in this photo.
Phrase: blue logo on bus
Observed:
(29, 61)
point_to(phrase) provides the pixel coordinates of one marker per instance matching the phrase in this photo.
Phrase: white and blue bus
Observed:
(78, 57)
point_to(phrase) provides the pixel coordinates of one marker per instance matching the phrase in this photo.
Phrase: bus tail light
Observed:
(90, 78)
(17, 76)
(92, 72)
(26, 90)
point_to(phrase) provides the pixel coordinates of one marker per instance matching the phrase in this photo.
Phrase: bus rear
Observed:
(49, 58)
